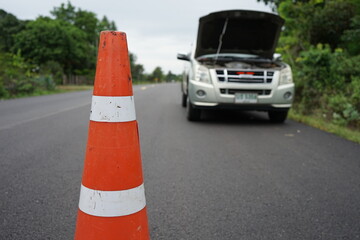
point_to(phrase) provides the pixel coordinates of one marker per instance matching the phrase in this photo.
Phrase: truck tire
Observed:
(193, 114)
(278, 116)
(183, 100)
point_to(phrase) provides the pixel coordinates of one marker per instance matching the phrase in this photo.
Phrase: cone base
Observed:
(129, 227)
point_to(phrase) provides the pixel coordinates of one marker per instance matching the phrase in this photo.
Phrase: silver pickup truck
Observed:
(233, 66)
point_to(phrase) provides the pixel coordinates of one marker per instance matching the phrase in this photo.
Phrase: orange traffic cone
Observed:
(112, 198)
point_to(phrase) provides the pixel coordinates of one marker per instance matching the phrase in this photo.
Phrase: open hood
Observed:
(238, 31)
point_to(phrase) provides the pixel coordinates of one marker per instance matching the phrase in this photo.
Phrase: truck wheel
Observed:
(278, 116)
(193, 114)
(183, 100)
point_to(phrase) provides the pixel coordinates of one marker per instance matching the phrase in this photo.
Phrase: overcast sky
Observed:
(156, 30)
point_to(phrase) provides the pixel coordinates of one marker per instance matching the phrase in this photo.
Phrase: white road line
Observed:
(42, 116)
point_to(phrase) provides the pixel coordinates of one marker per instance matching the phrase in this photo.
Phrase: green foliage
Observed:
(315, 67)
(45, 82)
(15, 75)
(62, 47)
(343, 111)
(328, 23)
(87, 22)
(321, 43)
(328, 84)
(275, 4)
(351, 37)
(105, 24)
(46, 40)
(157, 75)
(295, 36)
(9, 25)
(20, 78)
(137, 70)
(90, 26)
(312, 22)
(53, 69)
(170, 77)
(173, 77)
(66, 13)
(37, 55)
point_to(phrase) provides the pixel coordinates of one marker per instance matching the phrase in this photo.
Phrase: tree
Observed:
(68, 41)
(16, 76)
(65, 13)
(105, 24)
(351, 37)
(137, 70)
(9, 25)
(87, 22)
(329, 22)
(308, 23)
(170, 77)
(84, 20)
(276, 3)
(46, 39)
(157, 75)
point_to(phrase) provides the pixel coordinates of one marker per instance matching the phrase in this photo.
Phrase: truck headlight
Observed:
(285, 76)
(202, 74)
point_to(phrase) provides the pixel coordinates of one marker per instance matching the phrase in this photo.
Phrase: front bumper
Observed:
(215, 98)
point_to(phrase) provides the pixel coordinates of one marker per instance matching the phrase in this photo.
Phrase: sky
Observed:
(156, 29)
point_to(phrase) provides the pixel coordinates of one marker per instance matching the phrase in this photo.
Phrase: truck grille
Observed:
(233, 91)
(244, 76)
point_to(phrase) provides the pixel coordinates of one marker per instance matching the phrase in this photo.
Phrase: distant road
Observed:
(231, 176)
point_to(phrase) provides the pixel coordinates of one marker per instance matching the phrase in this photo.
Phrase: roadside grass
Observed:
(317, 122)
(73, 88)
(58, 89)
(63, 89)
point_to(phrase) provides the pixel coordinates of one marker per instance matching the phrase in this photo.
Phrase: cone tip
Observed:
(115, 33)
(113, 75)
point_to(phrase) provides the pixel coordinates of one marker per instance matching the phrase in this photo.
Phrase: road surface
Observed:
(231, 176)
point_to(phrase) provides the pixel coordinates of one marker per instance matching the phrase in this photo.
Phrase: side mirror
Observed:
(277, 57)
(182, 56)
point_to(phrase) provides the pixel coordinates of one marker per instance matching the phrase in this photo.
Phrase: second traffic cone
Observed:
(112, 198)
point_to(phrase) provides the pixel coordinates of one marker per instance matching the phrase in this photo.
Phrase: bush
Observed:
(16, 75)
(19, 78)
(328, 83)
(3, 92)
(312, 76)
(343, 111)
(52, 69)
(351, 37)
(45, 83)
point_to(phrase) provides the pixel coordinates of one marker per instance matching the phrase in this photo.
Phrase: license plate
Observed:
(246, 98)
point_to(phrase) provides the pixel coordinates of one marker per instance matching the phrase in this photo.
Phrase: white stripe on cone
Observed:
(112, 109)
(112, 203)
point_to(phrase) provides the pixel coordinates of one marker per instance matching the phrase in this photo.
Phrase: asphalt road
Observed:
(231, 176)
